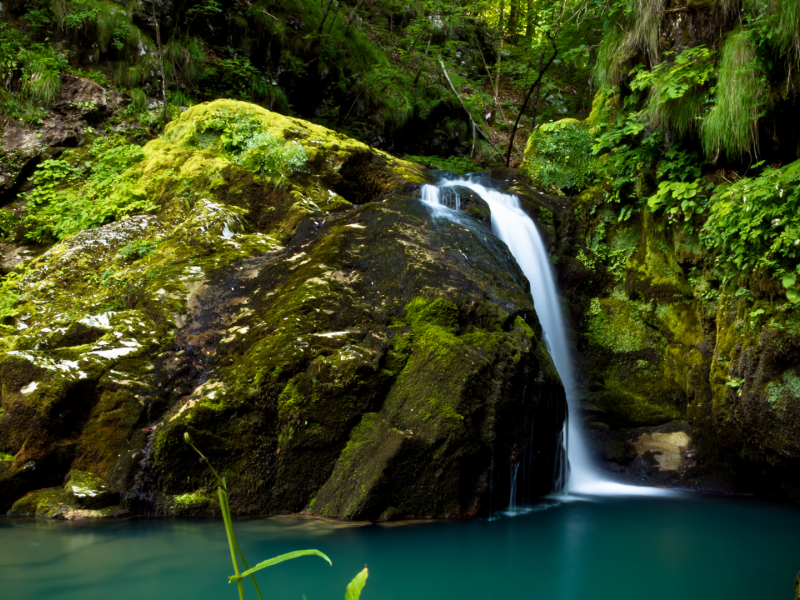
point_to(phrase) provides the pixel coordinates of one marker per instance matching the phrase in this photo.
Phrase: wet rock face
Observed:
(659, 339)
(367, 368)
(22, 146)
(340, 359)
(464, 199)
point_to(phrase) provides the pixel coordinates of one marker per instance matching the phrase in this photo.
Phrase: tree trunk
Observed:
(512, 23)
(422, 63)
(325, 18)
(333, 21)
(536, 95)
(536, 84)
(161, 63)
(353, 16)
(499, 52)
(529, 21)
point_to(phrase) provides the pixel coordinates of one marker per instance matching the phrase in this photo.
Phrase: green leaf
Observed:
(654, 202)
(793, 295)
(279, 559)
(789, 280)
(354, 588)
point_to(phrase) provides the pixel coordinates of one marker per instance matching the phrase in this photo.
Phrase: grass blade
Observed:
(354, 588)
(279, 559)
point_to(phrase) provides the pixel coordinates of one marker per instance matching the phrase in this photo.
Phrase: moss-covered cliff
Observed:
(287, 299)
(667, 333)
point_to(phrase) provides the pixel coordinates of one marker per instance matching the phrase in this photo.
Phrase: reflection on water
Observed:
(689, 548)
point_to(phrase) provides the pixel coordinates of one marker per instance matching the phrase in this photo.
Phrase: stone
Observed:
(667, 448)
(328, 345)
(85, 490)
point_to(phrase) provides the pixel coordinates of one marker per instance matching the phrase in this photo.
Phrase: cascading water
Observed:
(514, 227)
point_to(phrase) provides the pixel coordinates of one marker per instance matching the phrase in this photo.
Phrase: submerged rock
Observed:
(330, 347)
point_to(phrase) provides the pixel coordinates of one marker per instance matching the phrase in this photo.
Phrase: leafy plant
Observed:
(245, 142)
(354, 588)
(754, 223)
(7, 300)
(675, 89)
(138, 249)
(736, 384)
(68, 198)
(560, 157)
(790, 283)
(680, 198)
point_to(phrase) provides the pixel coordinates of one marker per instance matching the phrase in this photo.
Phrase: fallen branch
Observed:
(463, 106)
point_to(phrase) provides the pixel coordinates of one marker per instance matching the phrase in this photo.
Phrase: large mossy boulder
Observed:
(292, 305)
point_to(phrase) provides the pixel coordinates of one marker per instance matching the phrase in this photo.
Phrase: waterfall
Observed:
(514, 227)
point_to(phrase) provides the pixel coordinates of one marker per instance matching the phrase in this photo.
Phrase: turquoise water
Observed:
(690, 547)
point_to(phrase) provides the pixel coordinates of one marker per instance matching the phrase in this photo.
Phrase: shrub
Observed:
(68, 198)
(559, 157)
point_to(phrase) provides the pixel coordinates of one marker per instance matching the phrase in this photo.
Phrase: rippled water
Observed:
(686, 547)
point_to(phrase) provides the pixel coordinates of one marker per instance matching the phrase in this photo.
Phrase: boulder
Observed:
(329, 346)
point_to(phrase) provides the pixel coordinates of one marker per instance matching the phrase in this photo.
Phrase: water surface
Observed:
(689, 547)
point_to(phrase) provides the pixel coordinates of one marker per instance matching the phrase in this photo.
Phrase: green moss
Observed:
(653, 271)
(521, 324)
(290, 399)
(47, 502)
(422, 313)
(360, 468)
(629, 404)
(785, 390)
(87, 490)
(615, 323)
(192, 501)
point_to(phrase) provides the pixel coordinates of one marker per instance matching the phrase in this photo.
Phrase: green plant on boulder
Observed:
(246, 143)
(558, 157)
(68, 198)
(138, 249)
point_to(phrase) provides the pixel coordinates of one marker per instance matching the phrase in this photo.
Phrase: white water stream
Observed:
(514, 227)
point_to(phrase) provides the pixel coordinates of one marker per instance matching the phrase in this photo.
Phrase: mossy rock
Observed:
(661, 337)
(648, 359)
(269, 318)
(350, 168)
(369, 347)
(48, 502)
(86, 490)
(653, 271)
